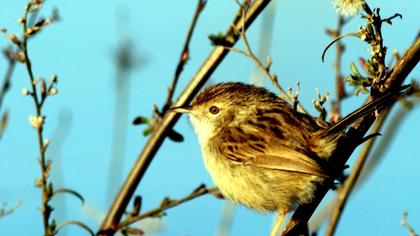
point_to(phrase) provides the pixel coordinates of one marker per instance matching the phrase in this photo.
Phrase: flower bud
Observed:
(52, 92)
(36, 121)
(25, 91)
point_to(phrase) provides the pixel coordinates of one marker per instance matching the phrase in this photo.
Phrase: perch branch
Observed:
(344, 192)
(344, 150)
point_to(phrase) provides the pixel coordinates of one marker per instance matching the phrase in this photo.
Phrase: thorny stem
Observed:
(185, 55)
(344, 192)
(45, 209)
(200, 191)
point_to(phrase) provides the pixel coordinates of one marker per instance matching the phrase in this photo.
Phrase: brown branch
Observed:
(339, 83)
(271, 77)
(405, 65)
(185, 55)
(39, 93)
(265, 69)
(265, 41)
(340, 92)
(372, 163)
(347, 146)
(167, 204)
(43, 183)
(344, 192)
(377, 46)
(110, 223)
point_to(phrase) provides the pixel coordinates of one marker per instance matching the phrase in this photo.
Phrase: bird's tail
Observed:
(376, 105)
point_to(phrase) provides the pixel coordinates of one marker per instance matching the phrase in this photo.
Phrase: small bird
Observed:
(259, 151)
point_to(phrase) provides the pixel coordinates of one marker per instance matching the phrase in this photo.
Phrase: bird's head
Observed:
(223, 105)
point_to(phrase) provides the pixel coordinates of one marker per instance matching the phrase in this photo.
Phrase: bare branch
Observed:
(264, 68)
(340, 91)
(43, 183)
(344, 192)
(185, 55)
(167, 204)
(404, 222)
(4, 211)
(405, 65)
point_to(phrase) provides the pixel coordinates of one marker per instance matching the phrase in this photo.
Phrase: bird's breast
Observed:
(258, 188)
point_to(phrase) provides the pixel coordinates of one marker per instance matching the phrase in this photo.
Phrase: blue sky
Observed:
(79, 49)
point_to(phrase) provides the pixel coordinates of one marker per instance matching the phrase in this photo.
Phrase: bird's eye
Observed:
(214, 110)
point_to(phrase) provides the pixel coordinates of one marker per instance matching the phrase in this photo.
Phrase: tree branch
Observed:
(185, 55)
(346, 147)
(411, 231)
(110, 223)
(167, 204)
(344, 192)
(405, 65)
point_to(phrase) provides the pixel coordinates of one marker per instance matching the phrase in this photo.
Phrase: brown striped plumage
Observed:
(259, 151)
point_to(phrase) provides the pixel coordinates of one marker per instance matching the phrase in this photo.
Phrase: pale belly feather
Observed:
(265, 190)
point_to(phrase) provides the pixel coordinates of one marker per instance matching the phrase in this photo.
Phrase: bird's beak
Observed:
(181, 109)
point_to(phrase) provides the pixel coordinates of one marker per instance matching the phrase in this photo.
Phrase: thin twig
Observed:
(4, 211)
(357, 35)
(40, 91)
(46, 208)
(344, 192)
(377, 48)
(265, 69)
(340, 92)
(389, 19)
(185, 55)
(39, 96)
(200, 191)
(110, 223)
(265, 40)
(346, 147)
(404, 222)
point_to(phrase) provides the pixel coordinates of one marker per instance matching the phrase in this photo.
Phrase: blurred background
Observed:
(89, 120)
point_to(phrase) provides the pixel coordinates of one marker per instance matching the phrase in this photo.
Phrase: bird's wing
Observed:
(265, 152)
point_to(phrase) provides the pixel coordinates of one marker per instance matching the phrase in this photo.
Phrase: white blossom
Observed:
(348, 7)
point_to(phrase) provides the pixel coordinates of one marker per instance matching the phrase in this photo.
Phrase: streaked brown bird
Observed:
(259, 151)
